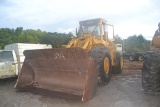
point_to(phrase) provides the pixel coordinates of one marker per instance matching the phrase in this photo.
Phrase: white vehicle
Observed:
(119, 47)
(12, 58)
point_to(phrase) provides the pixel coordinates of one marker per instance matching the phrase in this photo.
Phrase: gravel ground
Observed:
(124, 90)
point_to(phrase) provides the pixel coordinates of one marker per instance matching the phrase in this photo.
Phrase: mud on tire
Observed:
(98, 54)
(151, 71)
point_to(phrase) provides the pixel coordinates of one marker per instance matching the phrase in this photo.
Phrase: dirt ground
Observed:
(124, 90)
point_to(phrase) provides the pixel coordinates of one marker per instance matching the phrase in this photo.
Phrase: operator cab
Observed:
(96, 27)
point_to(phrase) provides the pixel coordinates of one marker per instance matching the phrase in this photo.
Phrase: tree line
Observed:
(18, 35)
(135, 43)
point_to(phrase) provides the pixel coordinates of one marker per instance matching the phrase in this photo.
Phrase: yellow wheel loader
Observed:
(76, 69)
(151, 67)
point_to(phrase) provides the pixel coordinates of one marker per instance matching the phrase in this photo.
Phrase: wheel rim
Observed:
(106, 65)
(131, 57)
(121, 62)
(141, 58)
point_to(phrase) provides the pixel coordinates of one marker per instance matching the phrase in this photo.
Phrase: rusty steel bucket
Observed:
(65, 70)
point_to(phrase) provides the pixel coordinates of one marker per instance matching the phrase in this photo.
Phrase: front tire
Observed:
(103, 63)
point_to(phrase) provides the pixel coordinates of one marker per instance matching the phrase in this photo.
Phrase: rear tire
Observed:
(151, 71)
(119, 66)
(99, 54)
(131, 58)
(141, 58)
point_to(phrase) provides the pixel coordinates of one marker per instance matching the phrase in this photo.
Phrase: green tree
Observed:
(118, 40)
(136, 44)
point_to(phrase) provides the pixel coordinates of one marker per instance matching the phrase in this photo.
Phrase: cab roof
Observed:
(90, 22)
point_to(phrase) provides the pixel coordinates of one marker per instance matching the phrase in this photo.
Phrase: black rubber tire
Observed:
(118, 69)
(141, 58)
(98, 54)
(151, 71)
(131, 58)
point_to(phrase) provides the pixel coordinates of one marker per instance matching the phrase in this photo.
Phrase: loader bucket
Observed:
(65, 70)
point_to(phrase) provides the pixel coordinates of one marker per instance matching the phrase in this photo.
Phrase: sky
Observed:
(129, 17)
